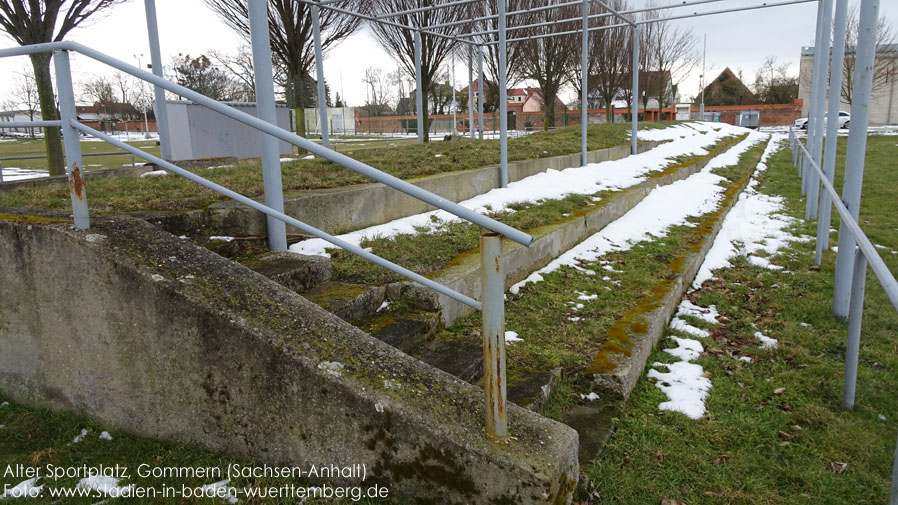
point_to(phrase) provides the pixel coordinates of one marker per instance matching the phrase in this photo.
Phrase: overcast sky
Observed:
(740, 41)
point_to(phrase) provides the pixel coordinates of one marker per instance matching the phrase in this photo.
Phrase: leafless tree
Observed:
(38, 21)
(23, 96)
(548, 60)
(773, 84)
(608, 61)
(97, 89)
(239, 66)
(515, 71)
(882, 73)
(400, 43)
(377, 85)
(672, 53)
(290, 30)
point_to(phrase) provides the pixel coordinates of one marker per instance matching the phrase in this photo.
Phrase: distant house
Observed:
(108, 112)
(649, 82)
(727, 89)
(884, 103)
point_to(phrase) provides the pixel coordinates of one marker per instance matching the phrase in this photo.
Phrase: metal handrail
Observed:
(275, 131)
(883, 274)
(492, 269)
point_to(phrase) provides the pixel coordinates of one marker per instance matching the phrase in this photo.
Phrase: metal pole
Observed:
(832, 127)
(74, 165)
(865, 58)
(271, 159)
(471, 91)
(492, 281)
(584, 71)
(820, 103)
(856, 313)
(701, 107)
(503, 100)
(1, 172)
(319, 72)
(481, 89)
(159, 101)
(454, 104)
(419, 92)
(635, 91)
(815, 90)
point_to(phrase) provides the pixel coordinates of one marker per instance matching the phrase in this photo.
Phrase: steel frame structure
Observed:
(851, 265)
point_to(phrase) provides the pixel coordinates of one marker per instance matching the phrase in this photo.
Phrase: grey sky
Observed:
(740, 41)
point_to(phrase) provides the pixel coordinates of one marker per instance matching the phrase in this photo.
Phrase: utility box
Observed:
(683, 111)
(198, 132)
(748, 118)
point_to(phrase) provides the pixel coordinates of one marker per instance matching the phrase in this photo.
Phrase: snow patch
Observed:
(154, 173)
(685, 387)
(512, 337)
(105, 485)
(680, 325)
(766, 342)
(687, 308)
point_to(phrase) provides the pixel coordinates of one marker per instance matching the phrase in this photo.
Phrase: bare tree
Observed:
(377, 90)
(24, 95)
(38, 21)
(773, 84)
(239, 67)
(97, 90)
(885, 36)
(548, 60)
(290, 30)
(672, 53)
(608, 59)
(400, 43)
(515, 71)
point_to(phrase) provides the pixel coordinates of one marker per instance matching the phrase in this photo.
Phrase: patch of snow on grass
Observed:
(105, 436)
(24, 489)
(105, 485)
(551, 184)
(79, 437)
(511, 337)
(766, 342)
(221, 490)
(685, 387)
(154, 173)
(663, 208)
(687, 308)
(221, 238)
(754, 224)
(19, 174)
(384, 305)
(591, 397)
(687, 349)
(680, 325)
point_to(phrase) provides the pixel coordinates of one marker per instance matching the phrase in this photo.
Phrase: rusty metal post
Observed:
(492, 284)
(74, 165)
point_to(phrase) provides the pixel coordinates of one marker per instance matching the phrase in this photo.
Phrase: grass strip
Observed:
(775, 432)
(432, 250)
(171, 193)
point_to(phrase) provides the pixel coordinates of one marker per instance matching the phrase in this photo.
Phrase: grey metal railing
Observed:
(493, 285)
(865, 254)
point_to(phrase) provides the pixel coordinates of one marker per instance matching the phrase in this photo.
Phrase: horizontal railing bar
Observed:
(275, 131)
(44, 156)
(30, 124)
(283, 217)
(879, 267)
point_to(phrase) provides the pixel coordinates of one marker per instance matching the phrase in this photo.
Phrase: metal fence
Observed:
(493, 272)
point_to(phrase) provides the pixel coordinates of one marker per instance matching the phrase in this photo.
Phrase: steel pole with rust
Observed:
(492, 283)
(74, 165)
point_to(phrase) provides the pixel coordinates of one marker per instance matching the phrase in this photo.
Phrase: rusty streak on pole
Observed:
(492, 283)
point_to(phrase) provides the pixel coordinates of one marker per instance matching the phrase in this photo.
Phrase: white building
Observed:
(884, 105)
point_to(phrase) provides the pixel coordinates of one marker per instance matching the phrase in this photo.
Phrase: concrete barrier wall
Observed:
(149, 334)
(343, 209)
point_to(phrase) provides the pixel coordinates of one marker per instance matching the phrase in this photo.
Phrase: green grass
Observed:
(756, 446)
(37, 437)
(125, 194)
(432, 250)
(36, 148)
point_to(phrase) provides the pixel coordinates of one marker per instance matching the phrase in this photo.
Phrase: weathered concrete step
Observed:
(350, 302)
(532, 389)
(351, 208)
(180, 344)
(549, 241)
